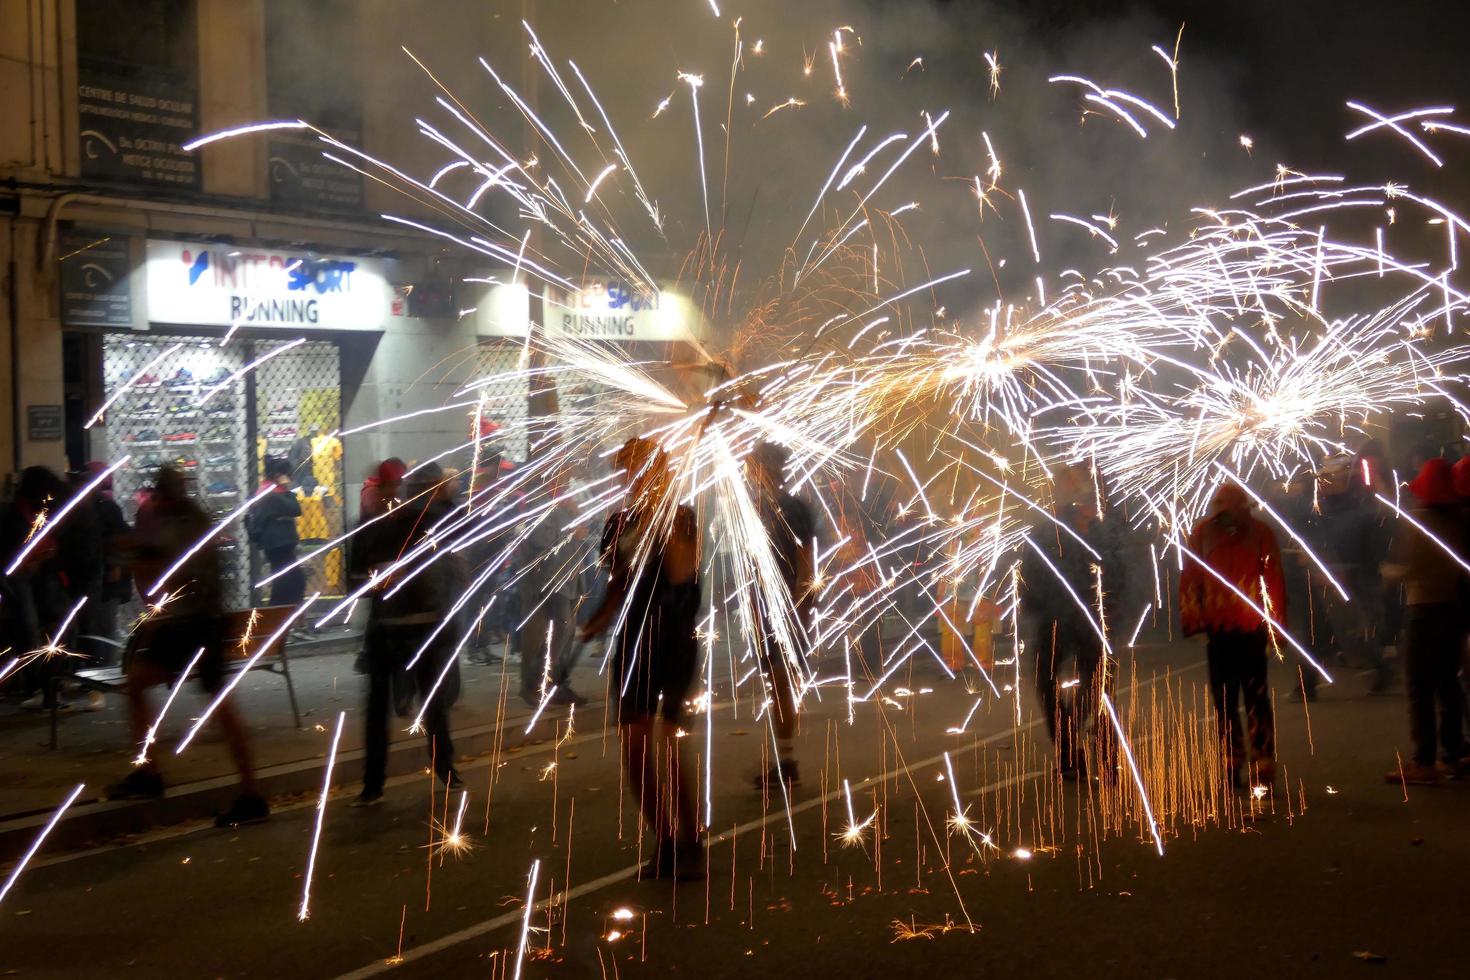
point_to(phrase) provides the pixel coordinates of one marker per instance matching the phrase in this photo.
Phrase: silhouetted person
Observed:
(117, 579)
(380, 491)
(1242, 551)
(168, 525)
(1070, 658)
(791, 532)
(651, 551)
(64, 570)
(272, 523)
(553, 555)
(1434, 633)
(405, 659)
(1308, 592)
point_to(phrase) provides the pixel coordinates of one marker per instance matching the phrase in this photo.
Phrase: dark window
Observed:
(313, 73)
(138, 91)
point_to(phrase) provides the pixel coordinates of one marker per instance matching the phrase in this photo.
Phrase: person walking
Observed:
(117, 579)
(169, 526)
(65, 571)
(651, 551)
(380, 491)
(548, 636)
(1231, 546)
(1357, 541)
(1061, 571)
(407, 658)
(272, 527)
(1422, 558)
(791, 533)
(1308, 593)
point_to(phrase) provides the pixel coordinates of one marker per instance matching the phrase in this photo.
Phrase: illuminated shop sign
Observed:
(616, 311)
(222, 285)
(605, 310)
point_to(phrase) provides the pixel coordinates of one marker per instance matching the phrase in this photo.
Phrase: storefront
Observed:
(662, 330)
(228, 356)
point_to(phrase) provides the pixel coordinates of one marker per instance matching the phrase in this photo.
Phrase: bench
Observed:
(245, 632)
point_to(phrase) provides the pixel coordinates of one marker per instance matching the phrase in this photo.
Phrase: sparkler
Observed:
(526, 918)
(152, 734)
(50, 521)
(321, 816)
(1208, 351)
(20, 866)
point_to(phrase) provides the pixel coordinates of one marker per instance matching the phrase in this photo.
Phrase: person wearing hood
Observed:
(1231, 546)
(380, 491)
(409, 658)
(1423, 558)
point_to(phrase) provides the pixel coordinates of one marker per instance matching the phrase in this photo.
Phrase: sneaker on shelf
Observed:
(147, 410)
(140, 784)
(218, 377)
(146, 437)
(248, 808)
(222, 488)
(187, 463)
(219, 460)
(284, 432)
(218, 434)
(187, 435)
(183, 377)
(220, 410)
(282, 412)
(147, 381)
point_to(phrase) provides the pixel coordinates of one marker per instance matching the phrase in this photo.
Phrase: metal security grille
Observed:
(505, 397)
(174, 411)
(180, 406)
(297, 396)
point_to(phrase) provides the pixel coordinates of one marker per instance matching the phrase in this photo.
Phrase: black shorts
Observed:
(173, 641)
(660, 681)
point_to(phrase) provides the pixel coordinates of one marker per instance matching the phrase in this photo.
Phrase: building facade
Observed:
(216, 307)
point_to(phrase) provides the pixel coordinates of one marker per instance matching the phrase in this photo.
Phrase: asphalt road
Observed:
(1335, 875)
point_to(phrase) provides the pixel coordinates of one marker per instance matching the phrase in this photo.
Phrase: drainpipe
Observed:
(15, 411)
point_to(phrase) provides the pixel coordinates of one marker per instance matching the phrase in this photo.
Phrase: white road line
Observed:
(379, 967)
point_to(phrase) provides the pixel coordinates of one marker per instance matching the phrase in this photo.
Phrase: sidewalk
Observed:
(95, 748)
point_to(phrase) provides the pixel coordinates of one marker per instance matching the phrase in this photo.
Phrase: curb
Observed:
(95, 821)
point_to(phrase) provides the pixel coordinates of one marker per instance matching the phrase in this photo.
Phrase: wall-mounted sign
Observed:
(43, 423)
(137, 81)
(95, 290)
(600, 311)
(222, 285)
(130, 127)
(615, 311)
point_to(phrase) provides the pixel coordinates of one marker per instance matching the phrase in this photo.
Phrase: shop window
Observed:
(185, 410)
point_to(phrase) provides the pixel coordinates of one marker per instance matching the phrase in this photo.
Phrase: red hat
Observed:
(391, 471)
(1435, 484)
(1461, 475)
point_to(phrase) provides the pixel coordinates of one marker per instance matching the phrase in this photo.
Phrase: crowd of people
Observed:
(1351, 579)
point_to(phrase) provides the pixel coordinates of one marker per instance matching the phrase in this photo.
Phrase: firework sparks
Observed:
(20, 866)
(321, 815)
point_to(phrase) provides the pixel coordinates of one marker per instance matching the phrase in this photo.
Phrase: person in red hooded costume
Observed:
(1424, 558)
(1242, 551)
